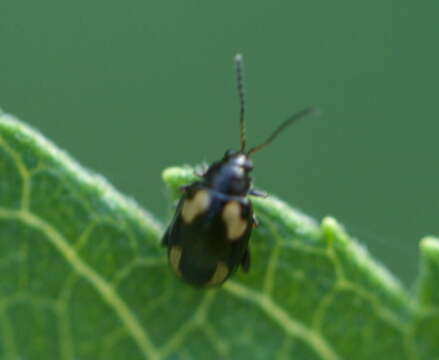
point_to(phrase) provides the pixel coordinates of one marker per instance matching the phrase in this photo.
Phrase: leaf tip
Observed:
(178, 175)
(430, 246)
(169, 174)
(428, 290)
(333, 230)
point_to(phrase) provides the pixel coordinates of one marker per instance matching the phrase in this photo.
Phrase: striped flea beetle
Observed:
(208, 238)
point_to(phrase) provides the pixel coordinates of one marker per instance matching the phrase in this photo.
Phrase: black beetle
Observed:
(208, 238)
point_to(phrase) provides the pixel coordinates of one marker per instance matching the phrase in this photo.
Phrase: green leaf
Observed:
(83, 277)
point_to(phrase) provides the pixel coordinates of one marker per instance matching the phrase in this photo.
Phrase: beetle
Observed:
(208, 237)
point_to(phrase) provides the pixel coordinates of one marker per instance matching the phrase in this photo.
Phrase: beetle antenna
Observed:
(239, 63)
(282, 127)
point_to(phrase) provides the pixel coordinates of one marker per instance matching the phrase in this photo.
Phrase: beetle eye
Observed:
(248, 165)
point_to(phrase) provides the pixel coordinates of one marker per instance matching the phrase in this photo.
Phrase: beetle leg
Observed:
(184, 188)
(255, 220)
(245, 262)
(258, 193)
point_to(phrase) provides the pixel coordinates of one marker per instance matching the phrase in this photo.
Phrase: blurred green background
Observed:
(129, 88)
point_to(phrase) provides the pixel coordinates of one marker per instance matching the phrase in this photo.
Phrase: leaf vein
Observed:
(107, 292)
(23, 171)
(284, 320)
(10, 346)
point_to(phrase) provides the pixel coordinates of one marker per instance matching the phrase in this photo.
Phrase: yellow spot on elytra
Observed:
(174, 259)
(235, 224)
(195, 206)
(219, 275)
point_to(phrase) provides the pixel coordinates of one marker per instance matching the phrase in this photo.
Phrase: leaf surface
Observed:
(84, 277)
